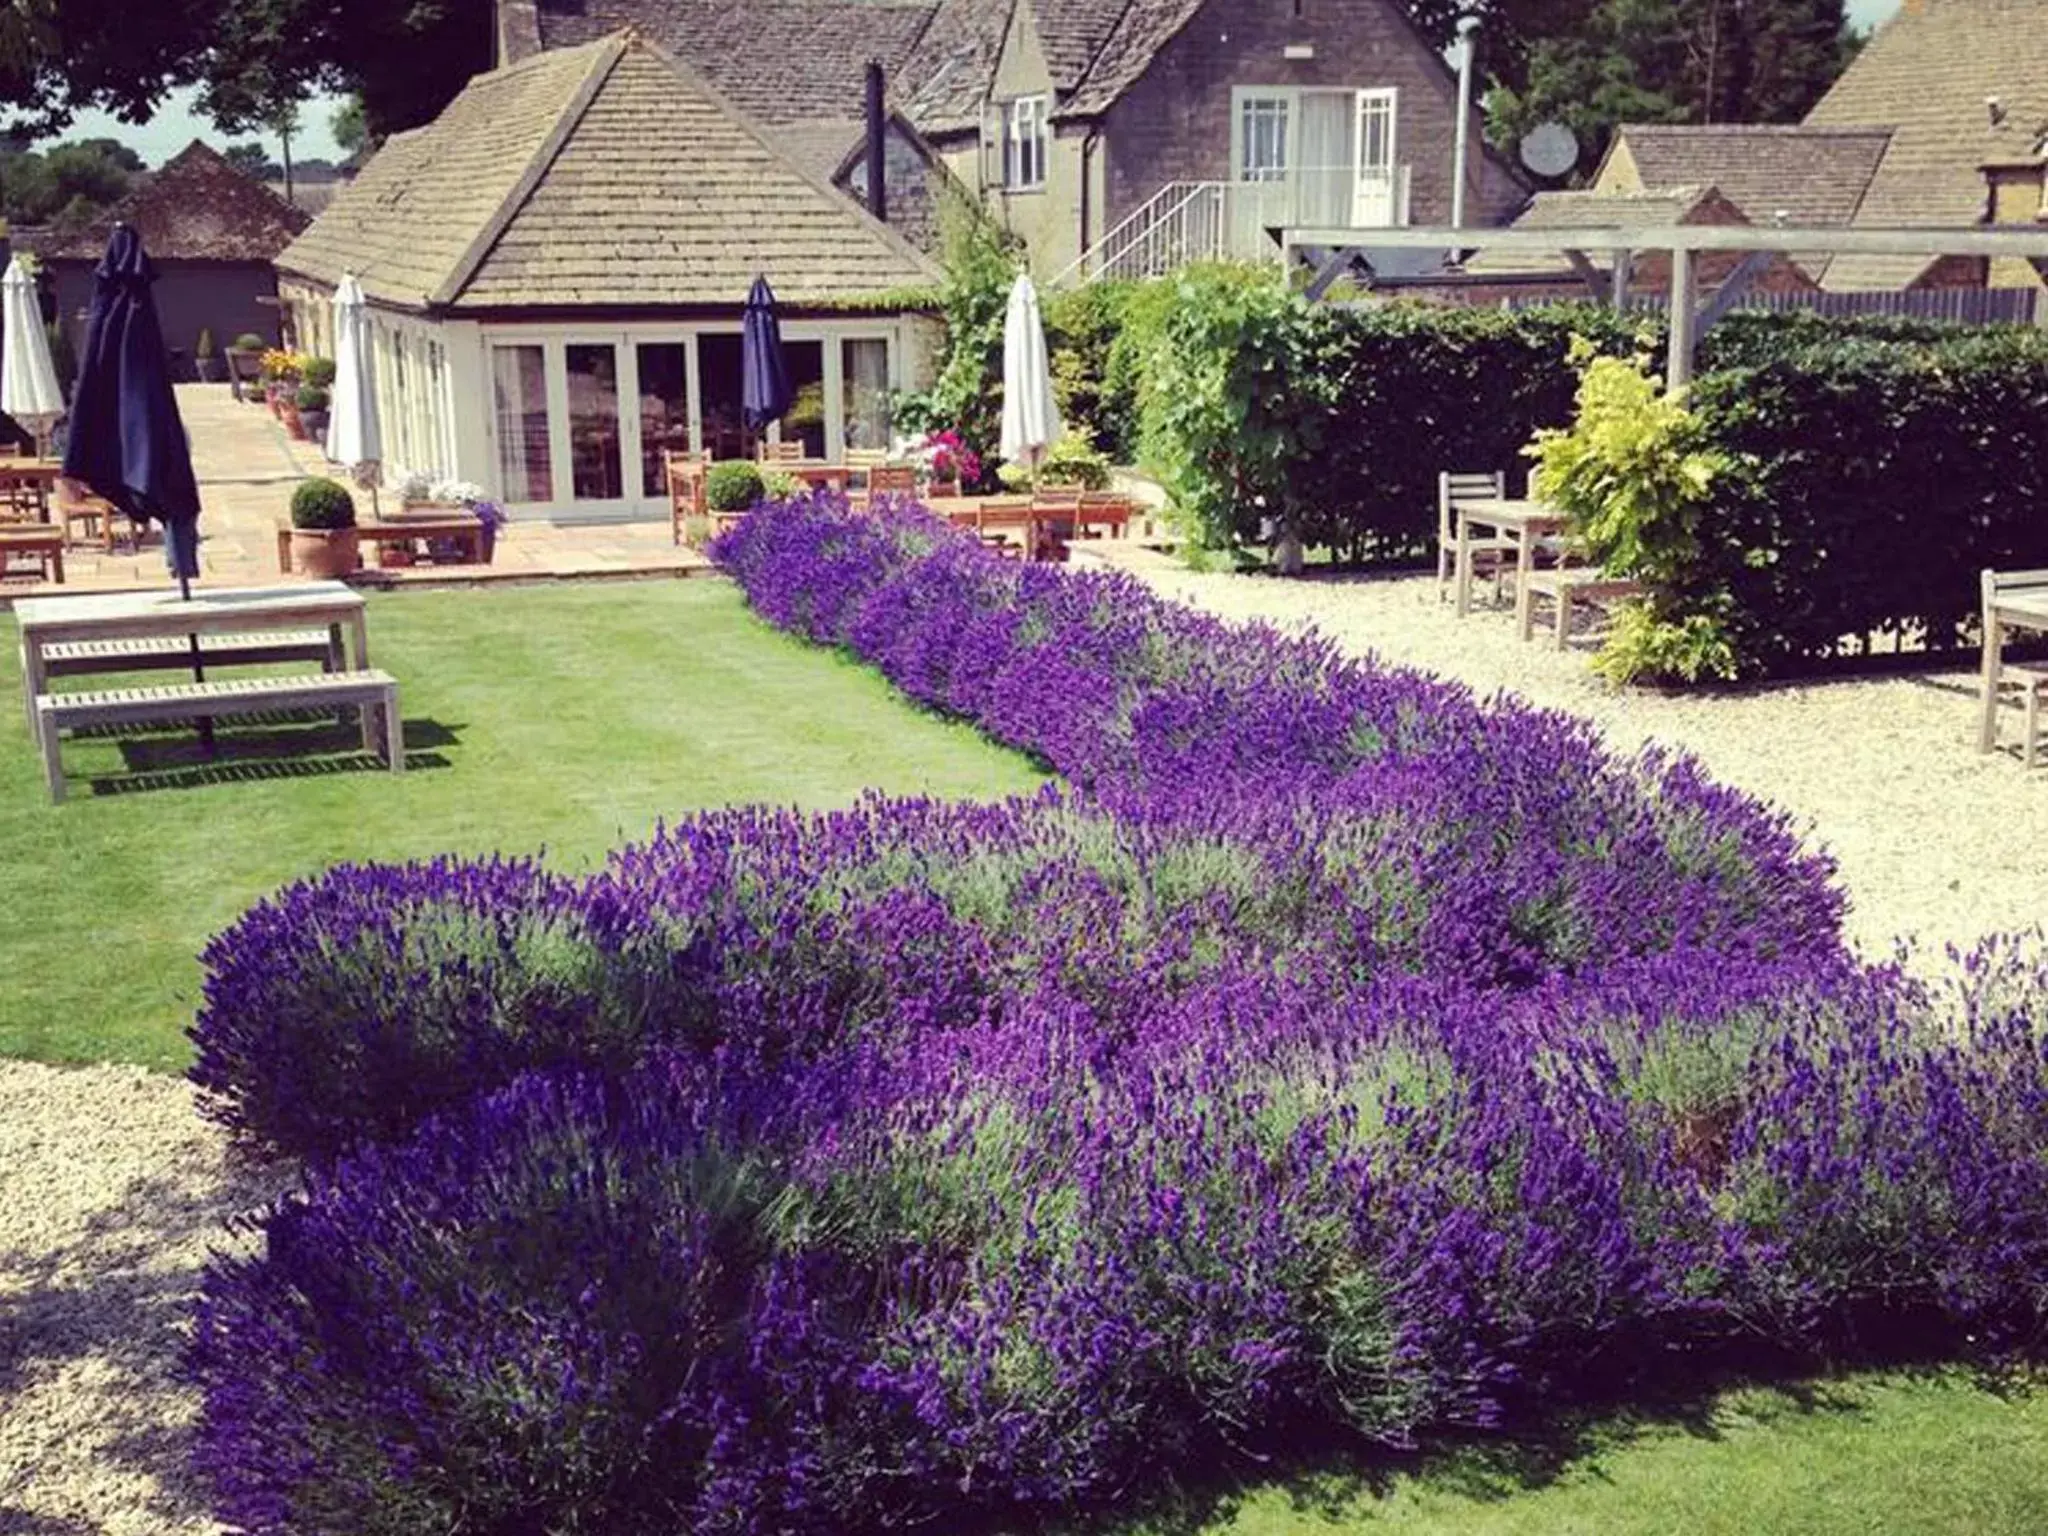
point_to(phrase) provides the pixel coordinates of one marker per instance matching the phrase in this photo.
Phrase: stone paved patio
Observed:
(247, 467)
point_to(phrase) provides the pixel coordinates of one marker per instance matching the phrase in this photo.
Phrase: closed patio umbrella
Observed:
(28, 382)
(355, 437)
(765, 394)
(127, 442)
(1031, 416)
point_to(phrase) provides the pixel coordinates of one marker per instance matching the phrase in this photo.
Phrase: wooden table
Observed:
(814, 473)
(2026, 610)
(988, 515)
(1523, 521)
(45, 621)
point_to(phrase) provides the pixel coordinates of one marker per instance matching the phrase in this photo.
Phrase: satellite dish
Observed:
(1550, 150)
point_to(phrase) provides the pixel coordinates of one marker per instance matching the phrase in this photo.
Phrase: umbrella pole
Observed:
(198, 670)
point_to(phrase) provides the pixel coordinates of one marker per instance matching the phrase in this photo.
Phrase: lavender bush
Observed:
(1331, 1055)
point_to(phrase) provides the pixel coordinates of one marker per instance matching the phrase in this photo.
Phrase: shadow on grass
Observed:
(283, 746)
(1339, 1482)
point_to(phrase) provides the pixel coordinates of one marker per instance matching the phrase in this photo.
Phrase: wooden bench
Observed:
(169, 652)
(465, 528)
(1568, 584)
(2024, 685)
(43, 541)
(374, 693)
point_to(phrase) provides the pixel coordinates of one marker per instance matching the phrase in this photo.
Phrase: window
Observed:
(519, 387)
(864, 392)
(1262, 128)
(1026, 143)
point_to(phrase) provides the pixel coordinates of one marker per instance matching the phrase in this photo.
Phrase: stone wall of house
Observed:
(2019, 198)
(1174, 124)
(227, 298)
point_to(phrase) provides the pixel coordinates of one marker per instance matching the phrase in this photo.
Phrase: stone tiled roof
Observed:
(1926, 75)
(780, 60)
(1590, 210)
(616, 176)
(1816, 176)
(1145, 28)
(196, 208)
(407, 227)
(951, 72)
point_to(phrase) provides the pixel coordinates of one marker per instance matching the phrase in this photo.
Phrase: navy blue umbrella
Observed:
(764, 389)
(127, 440)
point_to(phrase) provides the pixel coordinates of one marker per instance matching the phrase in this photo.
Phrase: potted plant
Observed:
(324, 541)
(245, 362)
(205, 358)
(312, 401)
(948, 463)
(280, 379)
(731, 487)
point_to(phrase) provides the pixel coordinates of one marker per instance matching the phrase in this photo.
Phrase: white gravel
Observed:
(112, 1190)
(1933, 840)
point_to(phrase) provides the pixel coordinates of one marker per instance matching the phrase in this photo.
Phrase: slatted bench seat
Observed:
(374, 693)
(1566, 585)
(40, 541)
(169, 652)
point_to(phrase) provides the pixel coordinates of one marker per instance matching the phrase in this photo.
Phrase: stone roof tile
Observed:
(197, 207)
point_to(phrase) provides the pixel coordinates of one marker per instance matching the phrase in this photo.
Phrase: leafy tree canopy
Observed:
(67, 183)
(1676, 61)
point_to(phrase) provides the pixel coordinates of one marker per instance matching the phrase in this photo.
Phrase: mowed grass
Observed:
(1922, 1454)
(563, 718)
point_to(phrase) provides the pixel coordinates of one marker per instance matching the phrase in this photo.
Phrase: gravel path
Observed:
(112, 1191)
(1933, 840)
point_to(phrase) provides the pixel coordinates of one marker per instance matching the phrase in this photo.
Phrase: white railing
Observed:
(1189, 221)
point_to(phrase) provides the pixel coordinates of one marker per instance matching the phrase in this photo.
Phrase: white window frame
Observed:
(1027, 143)
(1242, 101)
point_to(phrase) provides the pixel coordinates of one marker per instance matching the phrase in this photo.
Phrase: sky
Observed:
(175, 126)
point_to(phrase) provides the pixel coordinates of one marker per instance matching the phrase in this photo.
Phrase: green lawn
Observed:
(564, 718)
(1894, 1454)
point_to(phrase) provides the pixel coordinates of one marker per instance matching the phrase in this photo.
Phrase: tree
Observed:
(350, 128)
(67, 183)
(1678, 61)
(405, 58)
(251, 159)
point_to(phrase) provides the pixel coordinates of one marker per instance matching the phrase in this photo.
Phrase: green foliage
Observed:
(68, 183)
(249, 341)
(980, 265)
(1675, 61)
(322, 505)
(312, 397)
(1073, 464)
(1081, 328)
(1643, 643)
(319, 372)
(733, 486)
(780, 484)
(350, 127)
(252, 159)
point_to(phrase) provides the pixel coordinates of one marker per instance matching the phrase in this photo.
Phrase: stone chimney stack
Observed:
(518, 30)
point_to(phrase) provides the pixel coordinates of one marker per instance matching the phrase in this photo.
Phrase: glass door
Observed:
(519, 421)
(662, 380)
(596, 439)
(1377, 200)
(1327, 166)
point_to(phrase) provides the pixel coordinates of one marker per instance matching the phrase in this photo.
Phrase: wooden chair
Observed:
(1491, 553)
(1103, 514)
(1057, 513)
(784, 453)
(23, 499)
(688, 499)
(2019, 684)
(884, 480)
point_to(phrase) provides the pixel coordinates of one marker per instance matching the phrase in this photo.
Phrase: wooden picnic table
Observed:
(1524, 521)
(47, 621)
(993, 516)
(815, 473)
(2026, 609)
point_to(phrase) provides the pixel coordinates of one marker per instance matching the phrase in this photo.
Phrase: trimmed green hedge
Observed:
(1870, 485)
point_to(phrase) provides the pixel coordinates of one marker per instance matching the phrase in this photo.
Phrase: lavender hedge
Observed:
(1331, 1056)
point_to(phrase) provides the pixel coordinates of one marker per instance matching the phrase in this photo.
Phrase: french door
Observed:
(1376, 201)
(1326, 158)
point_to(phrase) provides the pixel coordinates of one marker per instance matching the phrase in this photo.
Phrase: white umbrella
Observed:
(28, 383)
(354, 439)
(1031, 416)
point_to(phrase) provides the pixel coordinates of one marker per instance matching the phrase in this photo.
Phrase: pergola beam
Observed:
(1976, 240)
(1590, 275)
(1734, 288)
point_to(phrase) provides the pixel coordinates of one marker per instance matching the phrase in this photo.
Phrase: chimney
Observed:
(878, 143)
(518, 31)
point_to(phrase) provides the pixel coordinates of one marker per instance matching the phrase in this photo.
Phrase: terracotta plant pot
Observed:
(943, 488)
(326, 552)
(294, 423)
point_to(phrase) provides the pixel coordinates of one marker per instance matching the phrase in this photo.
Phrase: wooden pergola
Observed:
(1344, 250)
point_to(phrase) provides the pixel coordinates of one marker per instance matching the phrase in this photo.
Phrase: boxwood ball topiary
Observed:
(319, 372)
(322, 504)
(734, 486)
